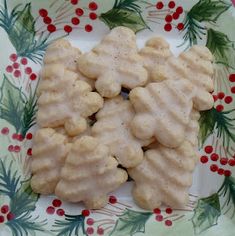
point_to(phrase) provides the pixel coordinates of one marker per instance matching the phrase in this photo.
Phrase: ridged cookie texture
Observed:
(164, 176)
(65, 101)
(49, 153)
(154, 54)
(196, 66)
(162, 111)
(89, 174)
(114, 63)
(62, 52)
(113, 129)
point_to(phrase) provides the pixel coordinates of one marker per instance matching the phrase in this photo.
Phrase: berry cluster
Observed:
(220, 96)
(16, 67)
(6, 214)
(74, 18)
(232, 80)
(169, 11)
(217, 162)
(159, 216)
(55, 207)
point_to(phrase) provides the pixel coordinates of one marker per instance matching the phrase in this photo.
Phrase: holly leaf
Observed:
(208, 10)
(206, 213)
(124, 13)
(11, 103)
(130, 223)
(24, 200)
(72, 225)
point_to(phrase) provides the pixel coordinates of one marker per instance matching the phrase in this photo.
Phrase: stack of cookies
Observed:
(78, 160)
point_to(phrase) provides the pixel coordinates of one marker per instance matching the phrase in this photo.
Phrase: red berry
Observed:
(14, 136)
(171, 4)
(93, 16)
(17, 73)
(10, 216)
(219, 108)
(208, 149)
(89, 230)
(204, 159)
(90, 221)
(74, 2)
(79, 11)
(221, 95)
(215, 97)
(29, 152)
(93, 6)
(1, 219)
(168, 18)
(13, 57)
(51, 28)
(5, 131)
(68, 29)
(56, 203)
(33, 76)
(24, 61)
(75, 21)
(223, 161)
(17, 148)
(168, 223)
(100, 231)
(159, 5)
(88, 28)
(168, 210)
(60, 212)
(233, 89)
(43, 12)
(47, 20)
(179, 10)
(220, 171)
(231, 162)
(228, 99)
(16, 65)
(112, 199)
(157, 211)
(175, 16)
(9, 69)
(28, 70)
(214, 168)
(50, 210)
(227, 173)
(159, 218)
(214, 157)
(4, 209)
(85, 213)
(10, 148)
(180, 26)
(232, 78)
(168, 27)
(20, 137)
(29, 136)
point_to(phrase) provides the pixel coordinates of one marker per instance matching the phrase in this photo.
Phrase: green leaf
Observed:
(206, 213)
(72, 225)
(24, 200)
(9, 179)
(130, 223)
(208, 10)
(125, 13)
(220, 45)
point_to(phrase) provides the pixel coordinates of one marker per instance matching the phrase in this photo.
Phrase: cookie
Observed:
(113, 129)
(114, 63)
(162, 111)
(49, 153)
(164, 176)
(89, 174)
(155, 53)
(65, 101)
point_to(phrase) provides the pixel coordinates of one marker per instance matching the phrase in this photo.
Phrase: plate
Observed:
(27, 28)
